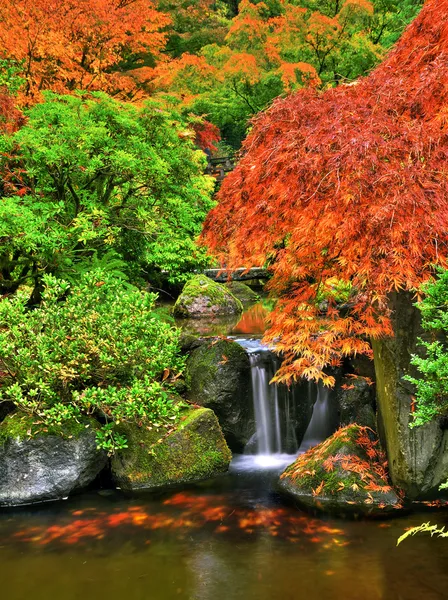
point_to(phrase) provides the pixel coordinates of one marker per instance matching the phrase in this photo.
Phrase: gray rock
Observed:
(46, 467)
(218, 377)
(195, 450)
(356, 403)
(202, 297)
(418, 458)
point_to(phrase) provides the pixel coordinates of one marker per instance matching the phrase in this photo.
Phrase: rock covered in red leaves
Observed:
(347, 473)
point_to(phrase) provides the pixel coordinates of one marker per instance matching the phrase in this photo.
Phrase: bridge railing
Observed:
(221, 276)
(218, 167)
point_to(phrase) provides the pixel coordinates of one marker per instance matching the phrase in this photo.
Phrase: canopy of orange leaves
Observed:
(350, 183)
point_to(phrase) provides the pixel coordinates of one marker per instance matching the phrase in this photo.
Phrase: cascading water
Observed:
(274, 442)
(321, 425)
(275, 431)
(276, 409)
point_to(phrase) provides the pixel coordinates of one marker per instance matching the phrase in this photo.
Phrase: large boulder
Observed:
(418, 458)
(356, 402)
(194, 450)
(36, 466)
(218, 377)
(243, 292)
(345, 474)
(202, 297)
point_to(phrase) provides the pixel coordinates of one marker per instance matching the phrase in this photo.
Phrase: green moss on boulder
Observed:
(218, 377)
(344, 474)
(202, 297)
(194, 450)
(22, 426)
(243, 292)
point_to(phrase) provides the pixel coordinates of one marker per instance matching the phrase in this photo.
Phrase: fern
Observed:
(110, 262)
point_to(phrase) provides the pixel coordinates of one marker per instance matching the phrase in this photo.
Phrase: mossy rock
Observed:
(188, 342)
(243, 292)
(345, 474)
(203, 297)
(218, 377)
(39, 463)
(195, 450)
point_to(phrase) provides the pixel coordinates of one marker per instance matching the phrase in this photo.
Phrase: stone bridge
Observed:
(221, 276)
(218, 167)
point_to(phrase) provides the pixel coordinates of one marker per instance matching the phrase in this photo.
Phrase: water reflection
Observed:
(181, 513)
(228, 540)
(253, 321)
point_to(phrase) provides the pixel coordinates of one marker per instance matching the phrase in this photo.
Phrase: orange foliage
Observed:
(78, 44)
(171, 75)
(207, 135)
(301, 72)
(348, 184)
(370, 466)
(244, 65)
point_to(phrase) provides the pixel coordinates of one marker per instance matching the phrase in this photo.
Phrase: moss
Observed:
(243, 292)
(24, 426)
(202, 296)
(349, 464)
(215, 362)
(195, 450)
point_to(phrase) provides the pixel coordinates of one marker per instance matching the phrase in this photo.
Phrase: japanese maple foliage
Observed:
(78, 44)
(351, 183)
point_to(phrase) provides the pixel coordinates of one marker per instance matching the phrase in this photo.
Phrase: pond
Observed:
(252, 321)
(227, 539)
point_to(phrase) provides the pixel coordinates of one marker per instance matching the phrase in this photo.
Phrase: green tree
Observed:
(89, 178)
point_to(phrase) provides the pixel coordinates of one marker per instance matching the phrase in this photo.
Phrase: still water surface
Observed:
(232, 538)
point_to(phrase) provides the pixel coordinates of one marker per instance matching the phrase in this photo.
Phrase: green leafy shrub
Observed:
(96, 348)
(432, 384)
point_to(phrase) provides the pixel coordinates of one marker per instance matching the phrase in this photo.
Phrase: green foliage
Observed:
(334, 290)
(95, 348)
(9, 76)
(89, 180)
(390, 19)
(432, 384)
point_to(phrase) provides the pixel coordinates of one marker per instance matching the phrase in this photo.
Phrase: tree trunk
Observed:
(418, 458)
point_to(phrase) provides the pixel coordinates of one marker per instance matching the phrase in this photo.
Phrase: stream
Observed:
(226, 539)
(233, 537)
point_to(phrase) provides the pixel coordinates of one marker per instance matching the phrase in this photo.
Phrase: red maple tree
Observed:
(350, 183)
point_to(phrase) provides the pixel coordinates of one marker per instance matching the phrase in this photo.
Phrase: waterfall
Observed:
(321, 425)
(274, 405)
(279, 413)
(266, 407)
